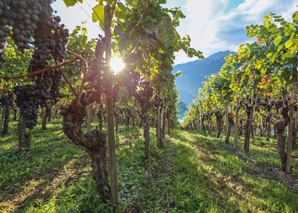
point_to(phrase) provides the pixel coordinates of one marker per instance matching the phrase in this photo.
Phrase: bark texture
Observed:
(100, 116)
(247, 128)
(219, 118)
(22, 135)
(93, 141)
(146, 135)
(280, 127)
(268, 127)
(230, 125)
(44, 119)
(6, 119)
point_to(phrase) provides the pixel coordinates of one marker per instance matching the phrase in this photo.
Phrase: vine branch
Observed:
(84, 75)
(40, 71)
(67, 81)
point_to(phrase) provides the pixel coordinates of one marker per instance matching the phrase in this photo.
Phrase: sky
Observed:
(213, 25)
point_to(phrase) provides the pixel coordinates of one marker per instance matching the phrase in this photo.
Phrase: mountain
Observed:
(193, 74)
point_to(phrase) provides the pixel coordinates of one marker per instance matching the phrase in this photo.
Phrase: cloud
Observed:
(219, 25)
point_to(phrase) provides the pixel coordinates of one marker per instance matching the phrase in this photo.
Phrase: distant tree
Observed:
(182, 107)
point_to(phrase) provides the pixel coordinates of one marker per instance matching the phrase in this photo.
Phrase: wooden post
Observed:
(227, 116)
(110, 113)
(29, 137)
(89, 117)
(295, 128)
(158, 126)
(2, 118)
(236, 123)
(290, 132)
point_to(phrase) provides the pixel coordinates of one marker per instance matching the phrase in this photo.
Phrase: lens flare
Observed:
(117, 65)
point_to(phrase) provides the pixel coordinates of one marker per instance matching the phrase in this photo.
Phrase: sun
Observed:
(117, 65)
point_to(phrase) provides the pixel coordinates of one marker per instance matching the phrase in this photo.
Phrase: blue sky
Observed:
(213, 25)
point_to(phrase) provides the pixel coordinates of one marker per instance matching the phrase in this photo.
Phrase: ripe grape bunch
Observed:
(31, 22)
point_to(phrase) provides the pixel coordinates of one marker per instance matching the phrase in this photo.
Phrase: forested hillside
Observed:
(194, 73)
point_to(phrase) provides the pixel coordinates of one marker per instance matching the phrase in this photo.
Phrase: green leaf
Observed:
(277, 40)
(98, 15)
(69, 3)
(289, 43)
(267, 18)
(280, 48)
(120, 11)
(78, 83)
(258, 66)
(125, 44)
(269, 55)
(72, 97)
(64, 91)
(295, 17)
(130, 2)
(288, 54)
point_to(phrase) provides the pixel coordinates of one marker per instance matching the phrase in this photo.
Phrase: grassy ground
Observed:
(55, 175)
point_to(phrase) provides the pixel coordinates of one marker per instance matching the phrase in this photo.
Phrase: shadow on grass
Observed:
(29, 175)
(235, 173)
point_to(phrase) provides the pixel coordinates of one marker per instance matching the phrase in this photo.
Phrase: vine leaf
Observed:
(277, 40)
(98, 15)
(69, 3)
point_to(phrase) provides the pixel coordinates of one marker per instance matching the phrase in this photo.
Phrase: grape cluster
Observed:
(28, 104)
(6, 100)
(55, 76)
(46, 88)
(4, 30)
(24, 17)
(144, 96)
(51, 39)
(129, 79)
(47, 83)
(32, 19)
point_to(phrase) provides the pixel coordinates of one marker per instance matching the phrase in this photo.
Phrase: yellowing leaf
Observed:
(279, 48)
(64, 91)
(277, 40)
(289, 43)
(295, 17)
(269, 55)
(258, 66)
(78, 83)
(98, 15)
(69, 3)
(267, 18)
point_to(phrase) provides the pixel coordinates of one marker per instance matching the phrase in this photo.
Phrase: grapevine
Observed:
(31, 20)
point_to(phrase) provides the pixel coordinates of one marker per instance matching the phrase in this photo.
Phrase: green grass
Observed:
(55, 176)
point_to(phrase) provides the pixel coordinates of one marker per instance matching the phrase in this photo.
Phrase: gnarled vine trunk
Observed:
(6, 119)
(237, 108)
(14, 114)
(295, 128)
(45, 116)
(241, 127)
(230, 125)
(163, 122)
(2, 118)
(146, 134)
(49, 111)
(280, 127)
(203, 123)
(247, 128)
(24, 142)
(219, 118)
(116, 118)
(268, 127)
(93, 141)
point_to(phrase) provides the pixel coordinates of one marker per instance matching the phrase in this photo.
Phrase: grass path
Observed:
(55, 175)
